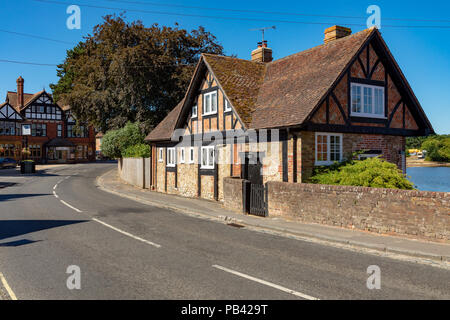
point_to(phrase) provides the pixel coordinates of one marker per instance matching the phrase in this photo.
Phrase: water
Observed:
(430, 178)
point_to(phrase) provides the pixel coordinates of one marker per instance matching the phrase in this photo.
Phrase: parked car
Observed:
(7, 163)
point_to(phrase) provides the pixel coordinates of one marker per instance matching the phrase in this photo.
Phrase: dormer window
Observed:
(367, 101)
(194, 111)
(210, 103)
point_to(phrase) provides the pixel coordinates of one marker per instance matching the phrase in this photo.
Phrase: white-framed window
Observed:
(161, 155)
(207, 157)
(367, 101)
(328, 148)
(210, 103)
(170, 157)
(227, 106)
(181, 155)
(191, 154)
(194, 111)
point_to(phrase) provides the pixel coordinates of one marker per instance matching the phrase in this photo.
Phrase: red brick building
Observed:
(282, 118)
(54, 137)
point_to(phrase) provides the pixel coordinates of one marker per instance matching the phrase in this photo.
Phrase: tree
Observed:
(438, 148)
(128, 72)
(141, 150)
(116, 142)
(372, 172)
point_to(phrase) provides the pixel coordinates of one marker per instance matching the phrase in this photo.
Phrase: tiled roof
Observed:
(294, 85)
(240, 79)
(280, 93)
(12, 97)
(165, 128)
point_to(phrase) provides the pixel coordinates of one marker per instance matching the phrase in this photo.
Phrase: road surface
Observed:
(128, 250)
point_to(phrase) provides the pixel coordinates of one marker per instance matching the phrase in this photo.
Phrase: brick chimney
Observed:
(336, 32)
(262, 53)
(20, 82)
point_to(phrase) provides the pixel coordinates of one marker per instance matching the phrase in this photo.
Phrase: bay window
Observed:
(367, 101)
(328, 148)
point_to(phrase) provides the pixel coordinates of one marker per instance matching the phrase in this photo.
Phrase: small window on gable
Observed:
(227, 106)
(194, 111)
(161, 155)
(209, 103)
(181, 155)
(367, 101)
(191, 155)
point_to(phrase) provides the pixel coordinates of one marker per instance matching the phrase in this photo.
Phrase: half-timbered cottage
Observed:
(54, 136)
(266, 120)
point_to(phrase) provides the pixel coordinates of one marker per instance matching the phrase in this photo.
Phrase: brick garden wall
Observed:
(417, 213)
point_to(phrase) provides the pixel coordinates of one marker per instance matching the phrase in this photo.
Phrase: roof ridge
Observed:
(370, 30)
(234, 58)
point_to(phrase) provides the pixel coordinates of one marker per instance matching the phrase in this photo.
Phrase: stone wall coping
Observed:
(324, 188)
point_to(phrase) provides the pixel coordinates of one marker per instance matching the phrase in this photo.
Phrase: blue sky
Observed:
(422, 53)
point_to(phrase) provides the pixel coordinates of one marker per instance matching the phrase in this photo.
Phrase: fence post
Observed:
(143, 173)
(245, 196)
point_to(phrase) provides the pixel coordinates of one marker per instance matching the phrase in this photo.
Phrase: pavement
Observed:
(393, 246)
(59, 221)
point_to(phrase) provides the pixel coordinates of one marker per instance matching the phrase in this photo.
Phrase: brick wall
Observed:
(390, 146)
(416, 213)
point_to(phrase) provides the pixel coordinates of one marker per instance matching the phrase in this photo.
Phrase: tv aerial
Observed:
(263, 30)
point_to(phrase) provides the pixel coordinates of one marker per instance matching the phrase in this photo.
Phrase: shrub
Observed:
(137, 151)
(372, 172)
(115, 142)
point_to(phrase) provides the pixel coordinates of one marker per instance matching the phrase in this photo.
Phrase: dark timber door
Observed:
(257, 195)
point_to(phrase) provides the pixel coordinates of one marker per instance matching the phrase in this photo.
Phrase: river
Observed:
(430, 178)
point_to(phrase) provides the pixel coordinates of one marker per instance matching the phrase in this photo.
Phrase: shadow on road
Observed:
(14, 228)
(18, 243)
(8, 197)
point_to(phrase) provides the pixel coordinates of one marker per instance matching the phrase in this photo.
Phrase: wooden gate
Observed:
(258, 200)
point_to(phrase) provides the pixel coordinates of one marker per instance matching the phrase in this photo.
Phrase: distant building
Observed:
(54, 137)
(98, 143)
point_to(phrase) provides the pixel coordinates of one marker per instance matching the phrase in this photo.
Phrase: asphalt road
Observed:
(128, 250)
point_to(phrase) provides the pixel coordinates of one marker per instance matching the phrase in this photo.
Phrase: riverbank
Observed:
(414, 162)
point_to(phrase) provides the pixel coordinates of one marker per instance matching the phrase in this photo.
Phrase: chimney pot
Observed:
(336, 32)
(262, 53)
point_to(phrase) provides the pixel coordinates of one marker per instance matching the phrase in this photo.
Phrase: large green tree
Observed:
(125, 71)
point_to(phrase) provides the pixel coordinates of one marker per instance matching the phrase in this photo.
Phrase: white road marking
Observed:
(127, 234)
(267, 283)
(71, 207)
(103, 223)
(7, 287)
